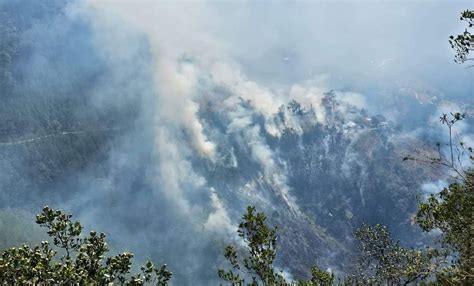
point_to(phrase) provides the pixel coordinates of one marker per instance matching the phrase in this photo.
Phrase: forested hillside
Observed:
(147, 129)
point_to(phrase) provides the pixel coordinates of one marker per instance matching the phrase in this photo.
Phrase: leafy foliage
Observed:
(383, 261)
(319, 277)
(81, 259)
(260, 240)
(261, 247)
(452, 212)
(463, 43)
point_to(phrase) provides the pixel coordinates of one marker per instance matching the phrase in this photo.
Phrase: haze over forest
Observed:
(159, 122)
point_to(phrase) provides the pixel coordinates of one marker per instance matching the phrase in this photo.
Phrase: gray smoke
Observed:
(187, 100)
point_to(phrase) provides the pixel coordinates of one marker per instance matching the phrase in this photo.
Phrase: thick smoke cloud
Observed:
(166, 68)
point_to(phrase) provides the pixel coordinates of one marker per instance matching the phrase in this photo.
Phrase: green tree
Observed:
(382, 261)
(259, 254)
(261, 242)
(452, 212)
(318, 277)
(463, 43)
(78, 260)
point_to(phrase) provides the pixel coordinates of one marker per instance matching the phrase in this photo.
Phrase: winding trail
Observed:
(40, 138)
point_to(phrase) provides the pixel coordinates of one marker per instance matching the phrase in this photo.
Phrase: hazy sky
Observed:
(359, 45)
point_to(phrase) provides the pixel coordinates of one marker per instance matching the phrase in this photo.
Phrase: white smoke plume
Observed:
(192, 56)
(219, 221)
(186, 56)
(175, 78)
(241, 124)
